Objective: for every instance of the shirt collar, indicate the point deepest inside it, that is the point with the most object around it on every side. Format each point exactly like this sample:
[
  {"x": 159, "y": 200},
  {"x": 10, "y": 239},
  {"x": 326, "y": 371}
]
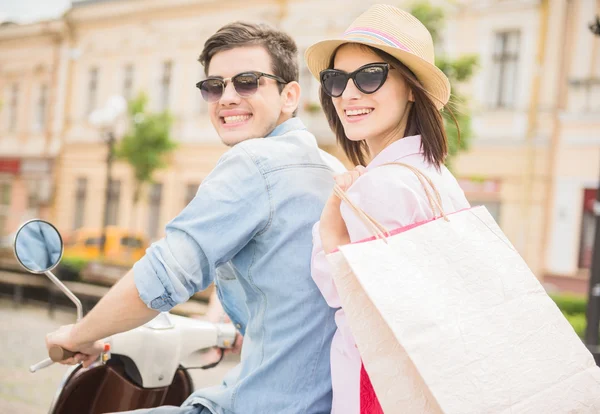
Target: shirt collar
[
  {"x": 291, "y": 124},
  {"x": 397, "y": 150}
]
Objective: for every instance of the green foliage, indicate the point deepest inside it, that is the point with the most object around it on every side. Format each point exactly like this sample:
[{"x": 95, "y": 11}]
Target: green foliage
[
  {"x": 454, "y": 114},
  {"x": 147, "y": 142},
  {"x": 433, "y": 17},
  {"x": 70, "y": 268},
  {"x": 578, "y": 322},
  {"x": 458, "y": 70},
  {"x": 574, "y": 310},
  {"x": 570, "y": 304}
]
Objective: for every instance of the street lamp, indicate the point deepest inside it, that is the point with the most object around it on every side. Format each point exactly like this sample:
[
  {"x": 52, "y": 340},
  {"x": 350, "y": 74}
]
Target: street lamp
[
  {"x": 595, "y": 26},
  {"x": 593, "y": 307},
  {"x": 106, "y": 120}
]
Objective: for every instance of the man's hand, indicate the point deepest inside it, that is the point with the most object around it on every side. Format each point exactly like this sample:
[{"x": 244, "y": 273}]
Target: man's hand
[
  {"x": 64, "y": 337},
  {"x": 120, "y": 310},
  {"x": 237, "y": 345},
  {"x": 332, "y": 228}
]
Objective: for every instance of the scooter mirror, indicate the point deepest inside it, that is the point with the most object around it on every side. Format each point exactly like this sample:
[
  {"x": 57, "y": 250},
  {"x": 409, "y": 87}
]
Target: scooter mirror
[{"x": 38, "y": 246}]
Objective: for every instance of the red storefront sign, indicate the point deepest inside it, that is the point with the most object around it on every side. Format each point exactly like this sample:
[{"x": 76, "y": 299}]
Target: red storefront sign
[
  {"x": 10, "y": 165},
  {"x": 589, "y": 198},
  {"x": 588, "y": 229}
]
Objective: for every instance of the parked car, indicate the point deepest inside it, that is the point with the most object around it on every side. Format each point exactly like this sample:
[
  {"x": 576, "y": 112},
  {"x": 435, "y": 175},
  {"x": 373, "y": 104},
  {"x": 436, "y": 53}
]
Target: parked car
[{"x": 123, "y": 246}]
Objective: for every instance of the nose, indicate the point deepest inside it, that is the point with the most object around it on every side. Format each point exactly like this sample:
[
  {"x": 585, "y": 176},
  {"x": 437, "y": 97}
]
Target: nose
[
  {"x": 230, "y": 96},
  {"x": 351, "y": 91}
]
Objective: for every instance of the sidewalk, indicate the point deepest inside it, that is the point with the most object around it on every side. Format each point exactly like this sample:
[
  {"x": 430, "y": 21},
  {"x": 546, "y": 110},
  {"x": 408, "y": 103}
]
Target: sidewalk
[{"x": 22, "y": 333}]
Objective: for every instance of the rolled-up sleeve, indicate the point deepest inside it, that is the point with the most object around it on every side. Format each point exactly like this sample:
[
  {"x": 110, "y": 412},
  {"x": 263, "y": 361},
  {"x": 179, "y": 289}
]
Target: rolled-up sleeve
[{"x": 230, "y": 208}]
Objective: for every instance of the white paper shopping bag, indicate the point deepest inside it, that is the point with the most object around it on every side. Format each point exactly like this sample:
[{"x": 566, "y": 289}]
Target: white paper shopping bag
[{"x": 448, "y": 318}]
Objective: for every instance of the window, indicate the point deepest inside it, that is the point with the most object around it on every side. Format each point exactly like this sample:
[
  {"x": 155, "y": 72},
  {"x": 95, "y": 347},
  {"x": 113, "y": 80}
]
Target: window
[
  {"x": 13, "y": 107},
  {"x": 93, "y": 241},
  {"x": 92, "y": 89},
  {"x": 165, "y": 85},
  {"x": 131, "y": 242},
  {"x": 33, "y": 193},
  {"x": 41, "y": 107},
  {"x": 504, "y": 69},
  {"x": 3, "y": 221},
  {"x": 113, "y": 202},
  {"x": 5, "y": 192},
  {"x": 588, "y": 229},
  {"x": 80, "y": 196},
  {"x": 190, "y": 193},
  {"x": 154, "y": 211},
  {"x": 484, "y": 192},
  {"x": 128, "y": 82}
]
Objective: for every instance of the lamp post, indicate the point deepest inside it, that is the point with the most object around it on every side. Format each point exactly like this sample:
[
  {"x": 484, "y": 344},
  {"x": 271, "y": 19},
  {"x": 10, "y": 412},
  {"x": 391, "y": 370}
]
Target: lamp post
[
  {"x": 593, "y": 306},
  {"x": 106, "y": 119}
]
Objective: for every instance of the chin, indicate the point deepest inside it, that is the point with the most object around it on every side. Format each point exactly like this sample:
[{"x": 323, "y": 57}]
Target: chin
[
  {"x": 357, "y": 135},
  {"x": 230, "y": 139}
]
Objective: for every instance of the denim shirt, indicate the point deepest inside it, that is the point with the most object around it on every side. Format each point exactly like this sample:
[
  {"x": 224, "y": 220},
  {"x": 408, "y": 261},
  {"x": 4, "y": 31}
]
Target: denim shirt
[{"x": 249, "y": 230}]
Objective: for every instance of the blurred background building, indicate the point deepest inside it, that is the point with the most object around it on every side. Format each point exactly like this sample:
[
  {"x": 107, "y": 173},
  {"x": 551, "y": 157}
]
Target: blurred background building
[{"x": 534, "y": 159}]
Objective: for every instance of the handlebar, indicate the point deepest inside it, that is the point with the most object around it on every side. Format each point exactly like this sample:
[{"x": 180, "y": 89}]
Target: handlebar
[{"x": 58, "y": 353}]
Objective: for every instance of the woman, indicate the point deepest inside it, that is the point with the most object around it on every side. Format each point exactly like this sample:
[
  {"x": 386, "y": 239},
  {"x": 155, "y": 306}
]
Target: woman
[{"x": 382, "y": 95}]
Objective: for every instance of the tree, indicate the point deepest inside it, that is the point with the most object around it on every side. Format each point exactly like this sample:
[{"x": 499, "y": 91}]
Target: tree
[
  {"x": 146, "y": 144},
  {"x": 458, "y": 70}
]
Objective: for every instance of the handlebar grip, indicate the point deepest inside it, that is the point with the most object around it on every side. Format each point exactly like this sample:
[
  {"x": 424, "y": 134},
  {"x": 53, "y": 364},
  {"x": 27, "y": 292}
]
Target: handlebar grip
[{"x": 57, "y": 353}]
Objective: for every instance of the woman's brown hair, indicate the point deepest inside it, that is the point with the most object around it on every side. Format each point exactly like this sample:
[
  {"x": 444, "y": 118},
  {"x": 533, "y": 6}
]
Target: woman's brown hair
[{"x": 423, "y": 119}]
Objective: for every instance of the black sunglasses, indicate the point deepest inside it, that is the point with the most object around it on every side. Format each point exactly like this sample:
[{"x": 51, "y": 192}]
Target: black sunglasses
[
  {"x": 245, "y": 85},
  {"x": 368, "y": 79}
]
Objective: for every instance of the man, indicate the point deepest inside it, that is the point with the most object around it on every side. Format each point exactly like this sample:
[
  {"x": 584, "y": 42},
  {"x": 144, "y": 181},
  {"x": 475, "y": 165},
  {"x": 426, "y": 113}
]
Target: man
[{"x": 249, "y": 229}]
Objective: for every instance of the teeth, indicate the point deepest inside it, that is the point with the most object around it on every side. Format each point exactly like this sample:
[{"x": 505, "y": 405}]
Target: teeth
[
  {"x": 236, "y": 118},
  {"x": 358, "y": 111}
]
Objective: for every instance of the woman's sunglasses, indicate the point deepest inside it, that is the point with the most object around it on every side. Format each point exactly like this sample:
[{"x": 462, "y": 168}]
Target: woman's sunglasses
[
  {"x": 245, "y": 85},
  {"x": 368, "y": 79}
]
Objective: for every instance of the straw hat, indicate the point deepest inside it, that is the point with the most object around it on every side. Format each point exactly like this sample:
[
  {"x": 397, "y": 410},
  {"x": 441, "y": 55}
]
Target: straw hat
[{"x": 395, "y": 32}]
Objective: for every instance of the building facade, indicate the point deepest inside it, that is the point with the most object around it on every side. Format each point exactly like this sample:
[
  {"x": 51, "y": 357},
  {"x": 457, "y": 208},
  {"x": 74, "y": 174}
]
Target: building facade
[
  {"x": 535, "y": 102},
  {"x": 30, "y": 119},
  {"x": 537, "y": 126}
]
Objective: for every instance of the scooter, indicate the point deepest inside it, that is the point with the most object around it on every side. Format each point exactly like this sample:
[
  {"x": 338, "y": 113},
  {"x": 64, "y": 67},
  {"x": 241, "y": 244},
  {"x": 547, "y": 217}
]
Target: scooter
[{"x": 140, "y": 368}]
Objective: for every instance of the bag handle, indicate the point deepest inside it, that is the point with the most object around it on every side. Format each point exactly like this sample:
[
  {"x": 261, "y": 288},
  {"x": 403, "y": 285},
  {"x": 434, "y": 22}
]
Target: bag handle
[
  {"x": 433, "y": 202},
  {"x": 373, "y": 225},
  {"x": 376, "y": 228}
]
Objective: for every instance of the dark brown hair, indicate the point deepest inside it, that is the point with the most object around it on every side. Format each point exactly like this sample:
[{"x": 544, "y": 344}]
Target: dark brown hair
[
  {"x": 423, "y": 119},
  {"x": 279, "y": 45}
]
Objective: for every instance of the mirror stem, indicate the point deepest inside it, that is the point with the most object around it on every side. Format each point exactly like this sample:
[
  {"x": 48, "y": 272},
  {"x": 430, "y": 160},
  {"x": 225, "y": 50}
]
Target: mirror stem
[{"x": 67, "y": 292}]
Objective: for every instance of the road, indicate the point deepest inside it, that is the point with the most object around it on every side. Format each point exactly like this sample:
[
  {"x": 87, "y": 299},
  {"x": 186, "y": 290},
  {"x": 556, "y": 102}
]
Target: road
[{"x": 22, "y": 332}]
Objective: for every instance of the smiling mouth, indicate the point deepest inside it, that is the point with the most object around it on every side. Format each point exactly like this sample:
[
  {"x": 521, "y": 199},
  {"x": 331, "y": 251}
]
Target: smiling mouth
[
  {"x": 236, "y": 119},
  {"x": 357, "y": 114}
]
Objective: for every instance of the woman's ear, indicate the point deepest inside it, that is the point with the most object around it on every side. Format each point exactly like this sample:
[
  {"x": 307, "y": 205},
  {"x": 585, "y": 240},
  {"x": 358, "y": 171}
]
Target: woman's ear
[
  {"x": 291, "y": 97},
  {"x": 411, "y": 96}
]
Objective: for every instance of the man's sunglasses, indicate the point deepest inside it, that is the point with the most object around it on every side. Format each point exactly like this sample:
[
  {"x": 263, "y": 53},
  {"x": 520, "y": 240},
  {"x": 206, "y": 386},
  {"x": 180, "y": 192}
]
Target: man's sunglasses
[
  {"x": 368, "y": 79},
  {"x": 245, "y": 85}
]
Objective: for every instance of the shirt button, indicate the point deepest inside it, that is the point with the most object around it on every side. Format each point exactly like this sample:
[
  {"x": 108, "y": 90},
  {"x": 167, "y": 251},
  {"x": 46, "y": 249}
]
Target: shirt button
[{"x": 237, "y": 325}]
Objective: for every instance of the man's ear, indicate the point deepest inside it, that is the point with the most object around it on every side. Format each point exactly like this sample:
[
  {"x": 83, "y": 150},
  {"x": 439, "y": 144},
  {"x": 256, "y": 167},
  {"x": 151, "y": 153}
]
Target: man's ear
[{"x": 291, "y": 97}]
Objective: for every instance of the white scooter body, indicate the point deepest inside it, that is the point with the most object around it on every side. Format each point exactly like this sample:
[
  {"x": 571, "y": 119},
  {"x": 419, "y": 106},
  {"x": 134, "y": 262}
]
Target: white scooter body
[
  {"x": 158, "y": 348},
  {"x": 140, "y": 368}
]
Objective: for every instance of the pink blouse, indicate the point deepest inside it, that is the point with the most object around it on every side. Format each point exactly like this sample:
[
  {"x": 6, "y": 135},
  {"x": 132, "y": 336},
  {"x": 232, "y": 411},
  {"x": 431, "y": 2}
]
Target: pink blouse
[{"x": 394, "y": 196}]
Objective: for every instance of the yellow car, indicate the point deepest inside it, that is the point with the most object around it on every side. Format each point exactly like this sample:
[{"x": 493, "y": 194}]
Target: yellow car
[{"x": 123, "y": 246}]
